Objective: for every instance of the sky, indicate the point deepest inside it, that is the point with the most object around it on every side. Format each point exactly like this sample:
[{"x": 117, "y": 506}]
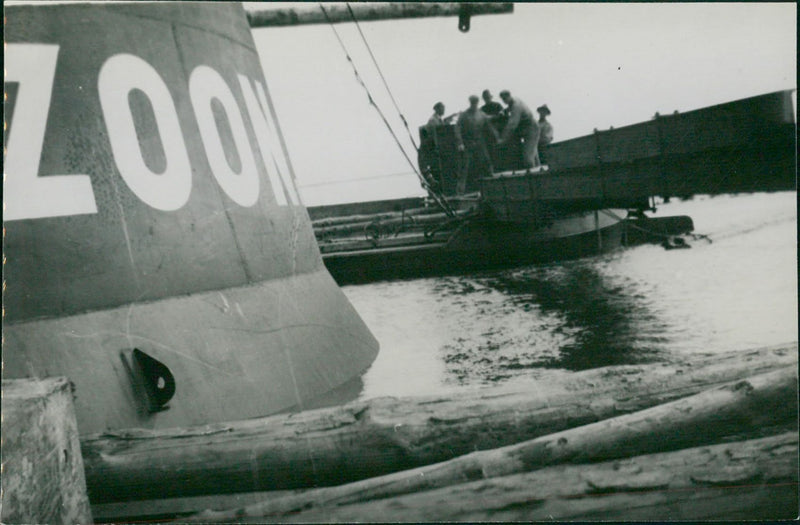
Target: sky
[{"x": 594, "y": 65}]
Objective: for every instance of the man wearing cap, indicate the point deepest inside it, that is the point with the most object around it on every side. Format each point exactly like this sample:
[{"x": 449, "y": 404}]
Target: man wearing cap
[
  {"x": 521, "y": 127},
  {"x": 436, "y": 119},
  {"x": 472, "y": 131},
  {"x": 545, "y": 132}
]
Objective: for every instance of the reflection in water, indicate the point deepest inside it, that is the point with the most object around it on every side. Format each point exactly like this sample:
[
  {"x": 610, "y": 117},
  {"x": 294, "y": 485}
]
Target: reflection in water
[
  {"x": 637, "y": 305},
  {"x": 605, "y": 322}
]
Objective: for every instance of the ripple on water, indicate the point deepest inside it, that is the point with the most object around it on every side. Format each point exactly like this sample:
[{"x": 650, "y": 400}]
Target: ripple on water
[{"x": 638, "y": 305}]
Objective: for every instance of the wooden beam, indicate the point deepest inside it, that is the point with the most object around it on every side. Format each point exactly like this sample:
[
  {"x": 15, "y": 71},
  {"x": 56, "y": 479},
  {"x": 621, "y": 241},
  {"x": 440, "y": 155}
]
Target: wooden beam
[
  {"x": 369, "y": 11},
  {"x": 42, "y": 468},
  {"x": 370, "y": 438}
]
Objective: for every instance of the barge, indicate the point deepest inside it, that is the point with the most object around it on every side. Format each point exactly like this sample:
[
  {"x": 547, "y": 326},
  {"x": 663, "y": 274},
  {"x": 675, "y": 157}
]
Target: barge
[{"x": 589, "y": 199}]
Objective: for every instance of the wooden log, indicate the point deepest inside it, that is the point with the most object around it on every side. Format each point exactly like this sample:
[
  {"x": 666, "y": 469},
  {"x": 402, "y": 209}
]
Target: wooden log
[
  {"x": 42, "y": 469},
  {"x": 703, "y": 419},
  {"x": 166, "y": 509},
  {"x": 364, "y": 217},
  {"x": 331, "y": 211},
  {"x": 368, "y": 12},
  {"x": 364, "y": 439},
  {"x": 387, "y": 226},
  {"x": 407, "y": 239},
  {"x": 754, "y": 479}
]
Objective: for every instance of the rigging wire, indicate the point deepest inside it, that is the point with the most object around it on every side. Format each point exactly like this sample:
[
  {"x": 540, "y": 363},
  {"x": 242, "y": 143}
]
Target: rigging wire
[
  {"x": 440, "y": 200},
  {"x": 383, "y": 79}
]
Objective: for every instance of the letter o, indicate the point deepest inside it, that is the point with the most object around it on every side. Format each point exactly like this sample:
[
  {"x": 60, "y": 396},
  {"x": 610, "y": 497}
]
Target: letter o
[
  {"x": 206, "y": 84},
  {"x": 120, "y": 74}
]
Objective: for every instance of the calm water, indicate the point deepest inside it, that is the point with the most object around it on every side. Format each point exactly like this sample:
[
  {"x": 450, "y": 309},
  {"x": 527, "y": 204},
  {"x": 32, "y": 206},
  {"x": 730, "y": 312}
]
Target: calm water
[{"x": 643, "y": 304}]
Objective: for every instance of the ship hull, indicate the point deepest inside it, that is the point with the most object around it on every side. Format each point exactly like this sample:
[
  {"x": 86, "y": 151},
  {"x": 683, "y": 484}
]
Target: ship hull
[
  {"x": 158, "y": 255},
  {"x": 480, "y": 244}
]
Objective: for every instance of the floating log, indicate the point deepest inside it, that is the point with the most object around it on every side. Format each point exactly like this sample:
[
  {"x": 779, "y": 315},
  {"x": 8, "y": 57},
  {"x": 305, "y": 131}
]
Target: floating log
[
  {"x": 364, "y": 439},
  {"x": 703, "y": 419},
  {"x": 754, "y": 479}
]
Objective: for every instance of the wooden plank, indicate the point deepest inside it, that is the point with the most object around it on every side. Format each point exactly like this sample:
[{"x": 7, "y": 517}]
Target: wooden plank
[
  {"x": 43, "y": 480},
  {"x": 753, "y": 479},
  {"x": 703, "y": 419},
  {"x": 370, "y": 438}
]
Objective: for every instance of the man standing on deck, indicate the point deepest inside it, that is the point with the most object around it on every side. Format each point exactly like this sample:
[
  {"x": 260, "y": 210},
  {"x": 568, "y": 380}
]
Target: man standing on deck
[
  {"x": 545, "y": 132},
  {"x": 490, "y": 108},
  {"x": 522, "y": 127},
  {"x": 472, "y": 130},
  {"x": 428, "y": 155},
  {"x": 437, "y": 119}
]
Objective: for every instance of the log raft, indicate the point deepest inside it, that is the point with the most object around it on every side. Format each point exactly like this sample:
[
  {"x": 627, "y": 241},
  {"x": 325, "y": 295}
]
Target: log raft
[
  {"x": 752, "y": 479},
  {"x": 731, "y": 411},
  {"x": 371, "y": 438}
]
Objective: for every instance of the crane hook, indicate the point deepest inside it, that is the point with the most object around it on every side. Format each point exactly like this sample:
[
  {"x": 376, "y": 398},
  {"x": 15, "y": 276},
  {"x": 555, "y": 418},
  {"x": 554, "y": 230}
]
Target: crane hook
[{"x": 464, "y": 13}]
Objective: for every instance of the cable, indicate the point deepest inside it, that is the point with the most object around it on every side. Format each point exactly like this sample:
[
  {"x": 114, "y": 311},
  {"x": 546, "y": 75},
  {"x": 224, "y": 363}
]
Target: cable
[
  {"x": 385, "y": 84},
  {"x": 440, "y": 200}
]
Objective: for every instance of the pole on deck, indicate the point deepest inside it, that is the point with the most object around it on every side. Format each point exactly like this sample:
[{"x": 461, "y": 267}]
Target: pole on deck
[{"x": 371, "y": 11}]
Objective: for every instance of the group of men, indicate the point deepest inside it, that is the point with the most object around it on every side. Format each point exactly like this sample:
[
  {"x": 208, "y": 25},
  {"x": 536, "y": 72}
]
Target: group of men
[{"x": 478, "y": 131}]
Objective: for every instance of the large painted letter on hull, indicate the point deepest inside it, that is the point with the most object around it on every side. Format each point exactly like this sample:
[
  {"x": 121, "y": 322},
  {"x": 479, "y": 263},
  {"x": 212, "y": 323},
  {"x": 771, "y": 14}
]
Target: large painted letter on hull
[
  {"x": 157, "y": 253},
  {"x": 32, "y": 67},
  {"x": 166, "y": 190}
]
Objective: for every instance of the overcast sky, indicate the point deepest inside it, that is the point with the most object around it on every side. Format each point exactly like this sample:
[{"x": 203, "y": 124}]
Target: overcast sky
[{"x": 594, "y": 65}]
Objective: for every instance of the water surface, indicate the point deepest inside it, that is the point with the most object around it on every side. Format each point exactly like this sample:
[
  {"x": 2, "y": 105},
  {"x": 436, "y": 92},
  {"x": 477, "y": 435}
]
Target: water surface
[{"x": 736, "y": 290}]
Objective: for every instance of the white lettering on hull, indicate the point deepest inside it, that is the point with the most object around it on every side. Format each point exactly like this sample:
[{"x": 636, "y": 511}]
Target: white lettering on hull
[
  {"x": 29, "y": 196},
  {"x": 119, "y": 75},
  {"x": 206, "y": 84},
  {"x": 266, "y": 135},
  {"x": 26, "y": 195}
]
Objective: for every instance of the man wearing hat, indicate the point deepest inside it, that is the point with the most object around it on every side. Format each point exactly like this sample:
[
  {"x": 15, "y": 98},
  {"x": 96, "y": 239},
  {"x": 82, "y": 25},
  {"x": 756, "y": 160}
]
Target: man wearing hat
[
  {"x": 545, "y": 132},
  {"x": 437, "y": 119}
]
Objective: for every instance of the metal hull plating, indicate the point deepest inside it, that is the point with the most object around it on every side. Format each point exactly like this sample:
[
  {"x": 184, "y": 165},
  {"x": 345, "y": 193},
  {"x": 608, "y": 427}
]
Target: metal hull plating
[
  {"x": 481, "y": 244},
  {"x": 150, "y": 205}
]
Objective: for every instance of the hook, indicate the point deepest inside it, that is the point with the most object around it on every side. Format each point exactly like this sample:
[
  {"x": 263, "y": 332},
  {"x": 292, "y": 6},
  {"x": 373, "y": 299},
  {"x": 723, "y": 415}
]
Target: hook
[{"x": 464, "y": 13}]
